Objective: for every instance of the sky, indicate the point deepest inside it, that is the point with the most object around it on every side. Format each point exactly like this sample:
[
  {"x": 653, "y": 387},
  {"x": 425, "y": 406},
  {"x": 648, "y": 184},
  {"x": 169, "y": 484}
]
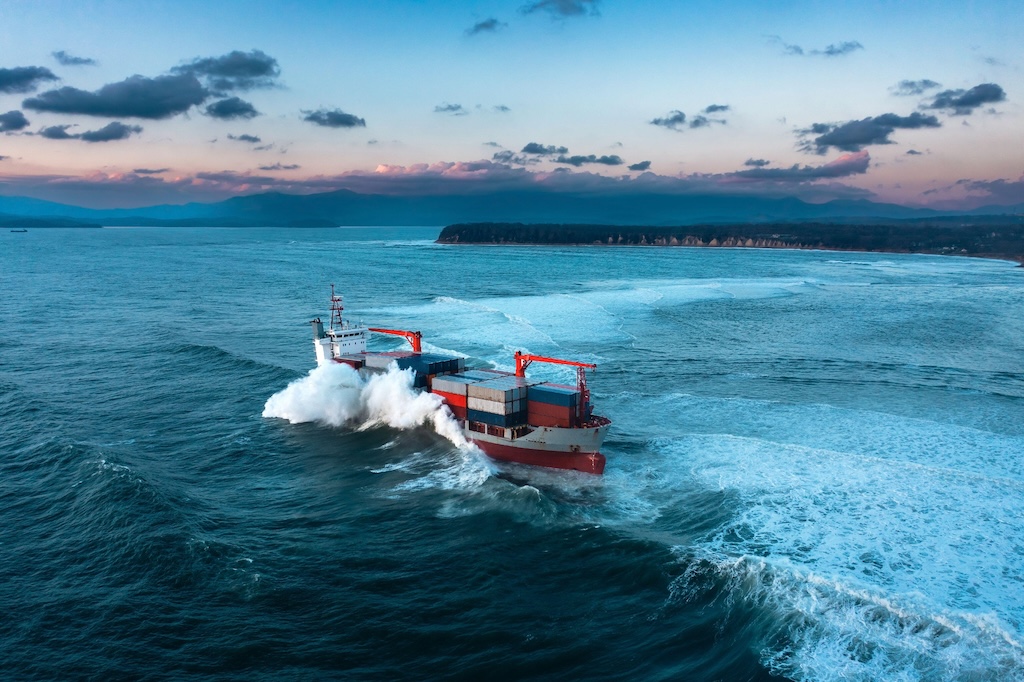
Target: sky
[{"x": 128, "y": 104}]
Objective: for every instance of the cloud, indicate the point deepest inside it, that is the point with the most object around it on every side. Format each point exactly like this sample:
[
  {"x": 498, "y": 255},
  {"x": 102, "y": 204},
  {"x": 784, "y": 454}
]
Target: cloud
[
  {"x": 964, "y": 102},
  {"x": 838, "y": 50},
  {"x": 491, "y": 144},
  {"x": 235, "y": 70},
  {"x": 853, "y": 136},
  {"x": 4, "y": 158},
  {"x": 908, "y": 88},
  {"x": 510, "y": 157},
  {"x": 453, "y": 109},
  {"x": 110, "y": 132},
  {"x": 561, "y": 9},
  {"x": 642, "y": 166},
  {"x": 501, "y": 108},
  {"x": 58, "y": 132},
  {"x": 846, "y": 165},
  {"x": 65, "y": 59},
  {"x": 676, "y": 120},
  {"x": 612, "y": 160},
  {"x": 673, "y": 120},
  {"x": 24, "y": 78},
  {"x": 280, "y": 167},
  {"x": 245, "y": 138},
  {"x": 231, "y": 109},
  {"x": 756, "y": 163},
  {"x": 135, "y": 97},
  {"x": 12, "y": 120},
  {"x": 833, "y": 50},
  {"x": 913, "y": 152},
  {"x": 486, "y": 26},
  {"x": 543, "y": 150},
  {"x": 150, "y": 171},
  {"x": 999, "y": 191},
  {"x": 333, "y": 118}
]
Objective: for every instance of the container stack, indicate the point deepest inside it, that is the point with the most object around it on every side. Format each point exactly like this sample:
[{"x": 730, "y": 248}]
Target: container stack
[
  {"x": 553, "y": 405},
  {"x": 453, "y": 390},
  {"x": 425, "y": 365},
  {"x": 500, "y": 401}
]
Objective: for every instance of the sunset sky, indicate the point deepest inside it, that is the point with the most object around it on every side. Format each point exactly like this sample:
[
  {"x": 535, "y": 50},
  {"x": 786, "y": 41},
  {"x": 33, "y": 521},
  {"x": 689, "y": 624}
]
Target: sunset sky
[{"x": 125, "y": 104}]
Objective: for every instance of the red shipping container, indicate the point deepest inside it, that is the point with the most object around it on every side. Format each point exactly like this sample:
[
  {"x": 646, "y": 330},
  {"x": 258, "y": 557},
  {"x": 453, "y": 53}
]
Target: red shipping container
[
  {"x": 543, "y": 420},
  {"x": 458, "y": 412},
  {"x": 453, "y": 399},
  {"x": 546, "y": 410}
]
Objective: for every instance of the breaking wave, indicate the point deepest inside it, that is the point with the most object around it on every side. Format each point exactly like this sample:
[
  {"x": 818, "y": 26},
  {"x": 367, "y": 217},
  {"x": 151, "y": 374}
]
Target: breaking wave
[{"x": 336, "y": 395}]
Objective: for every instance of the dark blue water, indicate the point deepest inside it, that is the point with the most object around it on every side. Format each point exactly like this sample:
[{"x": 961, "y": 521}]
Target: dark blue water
[{"x": 815, "y": 470}]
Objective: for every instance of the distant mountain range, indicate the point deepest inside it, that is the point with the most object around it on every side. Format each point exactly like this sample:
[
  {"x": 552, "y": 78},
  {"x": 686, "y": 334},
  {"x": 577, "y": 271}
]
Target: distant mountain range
[{"x": 344, "y": 207}]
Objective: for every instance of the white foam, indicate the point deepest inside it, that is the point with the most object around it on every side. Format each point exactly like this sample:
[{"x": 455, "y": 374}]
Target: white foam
[{"x": 336, "y": 395}]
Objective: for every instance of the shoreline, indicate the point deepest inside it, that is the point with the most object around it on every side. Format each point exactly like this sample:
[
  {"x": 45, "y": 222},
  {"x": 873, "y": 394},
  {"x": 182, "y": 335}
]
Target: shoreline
[{"x": 993, "y": 242}]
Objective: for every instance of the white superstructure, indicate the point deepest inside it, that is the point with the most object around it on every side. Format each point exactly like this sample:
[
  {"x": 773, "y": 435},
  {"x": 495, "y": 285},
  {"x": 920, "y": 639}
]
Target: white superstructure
[{"x": 341, "y": 337}]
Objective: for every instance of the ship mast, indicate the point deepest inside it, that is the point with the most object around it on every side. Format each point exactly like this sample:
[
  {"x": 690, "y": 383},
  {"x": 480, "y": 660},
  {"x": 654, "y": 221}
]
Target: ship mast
[{"x": 336, "y": 309}]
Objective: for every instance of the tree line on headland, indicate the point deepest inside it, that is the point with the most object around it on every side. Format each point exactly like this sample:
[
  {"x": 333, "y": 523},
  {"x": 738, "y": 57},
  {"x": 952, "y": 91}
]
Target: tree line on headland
[{"x": 992, "y": 237}]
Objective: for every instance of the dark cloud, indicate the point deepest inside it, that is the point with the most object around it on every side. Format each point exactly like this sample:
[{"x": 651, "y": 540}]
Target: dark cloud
[
  {"x": 501, "y": 108},
  {"x": 149, "y": 171},
  {"x": 676, "y": 120},
  {"x": 846, "y": 165},
  {"x": 58, "y": 132},
  {"x": 833, "y": 50},
  {"x": 756, "y": 163},
  {"x": 486, "y": 26},
  {"x": 280, "y": 167},
  {"x": 507, "y": 156},
  {"x": 853, "y": 136},
  {"x": 642, "y": 166},
  {"x": 110, "y": 132},
  {"x": 837, "y": 50},
  {"x": 612, "y": 160},
  {"x": 913, "y": 152},
  {"x": 563, "y": 8},
  {"x": 234, "y": 71},
  {"x": 24, "y": 78},
  {"x": 245, "y": 138},
  {"x": 65, "y": 59},
  {"x": 964, "y": 102},
  {"x": 543, "y": 150},
  {"x": 909, "y": 88},
  {"x": 4, "y": 158},
  {"x": 333, "y": 118},
  {"x": 453, "y": 109},
  {"x": 12, "y": 120},
  {"x": 716, "y": 108},
  {"x": 231, "y": 109},
  {"x": 673, "y": 120},
  {"x": 1000, "y": 191},
  {"x": 491, "y": 144},
  {"x": 135, "y": 97}
]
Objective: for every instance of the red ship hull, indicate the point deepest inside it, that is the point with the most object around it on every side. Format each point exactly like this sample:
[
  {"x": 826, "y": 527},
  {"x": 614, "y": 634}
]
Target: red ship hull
[{"x": 591, "y": 463}]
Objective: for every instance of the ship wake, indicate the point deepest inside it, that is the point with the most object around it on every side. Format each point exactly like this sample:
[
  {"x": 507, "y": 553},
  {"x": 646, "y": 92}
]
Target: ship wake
[{"x": 336, "y": 395}]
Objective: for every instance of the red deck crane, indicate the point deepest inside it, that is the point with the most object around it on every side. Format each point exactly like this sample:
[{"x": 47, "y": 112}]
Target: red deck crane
[
  {"x": 414, "y": 338},
  {"x": 523, "y": 361}
]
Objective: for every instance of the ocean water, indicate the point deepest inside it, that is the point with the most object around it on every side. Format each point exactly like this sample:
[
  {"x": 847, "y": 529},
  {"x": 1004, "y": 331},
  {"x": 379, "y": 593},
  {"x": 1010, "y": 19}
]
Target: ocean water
[{"x": 815, "y": 472}]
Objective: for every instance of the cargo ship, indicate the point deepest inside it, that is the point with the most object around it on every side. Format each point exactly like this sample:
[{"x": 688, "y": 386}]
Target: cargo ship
[{"x": 509, "y": 416}]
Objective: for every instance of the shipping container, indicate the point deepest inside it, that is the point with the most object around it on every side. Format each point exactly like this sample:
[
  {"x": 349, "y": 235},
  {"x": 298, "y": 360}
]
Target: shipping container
[
  {"x": 554, "y": 394},
  {"x": 533, "y": 407},
  {"x": 457, "y": 411},
  {"x": 504, "y": 420},
  {"x": 453, "y": 383},
  {"x": 452, "y": 399},
  {"x": 543, "y": 420}
]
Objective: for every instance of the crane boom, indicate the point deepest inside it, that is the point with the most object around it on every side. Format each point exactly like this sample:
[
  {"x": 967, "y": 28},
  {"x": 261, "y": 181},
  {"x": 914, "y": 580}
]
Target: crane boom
[
  {"x": 523, "y": 361},
  {"x": 414, "y": 338}
]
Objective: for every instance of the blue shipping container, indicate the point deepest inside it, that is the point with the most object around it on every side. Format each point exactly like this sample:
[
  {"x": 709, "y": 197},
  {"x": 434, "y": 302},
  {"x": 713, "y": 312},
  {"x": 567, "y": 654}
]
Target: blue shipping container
[{"x": 553, "y": 395}]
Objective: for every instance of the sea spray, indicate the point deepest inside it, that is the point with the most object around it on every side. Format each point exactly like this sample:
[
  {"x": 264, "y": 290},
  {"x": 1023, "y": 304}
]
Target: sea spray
[{"x": 336, "y": 395}]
